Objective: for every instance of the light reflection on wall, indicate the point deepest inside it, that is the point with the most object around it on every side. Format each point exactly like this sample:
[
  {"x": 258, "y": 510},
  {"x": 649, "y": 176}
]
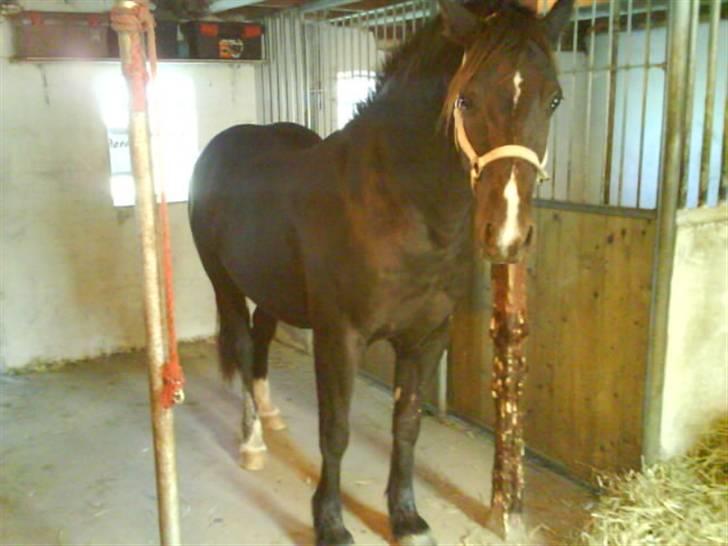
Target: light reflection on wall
[{"x": 173, "y": 119}]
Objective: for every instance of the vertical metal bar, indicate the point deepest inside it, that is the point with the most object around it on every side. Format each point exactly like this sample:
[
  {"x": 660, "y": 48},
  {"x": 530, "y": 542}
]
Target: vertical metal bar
[
  {"x": 613, "y": 62},
  {"x": 645, "y": 89},
  {"x": 341, "y": 42},
  {"x": 351, "y": 58},
  {"x": 298, "y": 88},
  {"x": 589, "y": 91},
  {"x": 283, "y": 61},
  {"x": 572, "y": 102},
  {"x": 723, "y": 186},
  {"x": 710, "y": 86},
  {"x": 678, "y": 35},
  {"x": 625, "y": 104},
  {"x": 300, "y": 44},
  {"x": 334, "y": 68},
  {"x": 279, "y": 79},
  {"x": 689, "y": 98},
  {"x": 359, "y": 49},
  {"x": 554, "y": 135},
  {"x": 368, "y": 38},
  {"x": 305, "y": 76},
  {"x": 269, "y": 71},
  {"x": 403, "y": 22},
  {"x": 130, "y": 47}
]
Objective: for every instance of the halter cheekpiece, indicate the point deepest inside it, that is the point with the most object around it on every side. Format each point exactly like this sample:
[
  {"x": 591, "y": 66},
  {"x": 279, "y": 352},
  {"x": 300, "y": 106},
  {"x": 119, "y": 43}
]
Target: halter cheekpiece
[{"x": 479, "y": 162}]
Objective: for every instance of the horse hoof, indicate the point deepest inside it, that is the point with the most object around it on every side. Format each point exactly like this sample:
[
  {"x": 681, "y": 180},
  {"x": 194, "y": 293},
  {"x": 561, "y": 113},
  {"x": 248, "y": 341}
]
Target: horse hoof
[
  {"x": 252, "y": 460},
  {"x": 274, "y": 422},
  {"x": 423, "y": 539},
  {"x": 335, "y": 537}
]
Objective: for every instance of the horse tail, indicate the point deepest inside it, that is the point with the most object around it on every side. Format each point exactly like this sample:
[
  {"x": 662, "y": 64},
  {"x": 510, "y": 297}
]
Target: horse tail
[{"x": 234, "y": 339}]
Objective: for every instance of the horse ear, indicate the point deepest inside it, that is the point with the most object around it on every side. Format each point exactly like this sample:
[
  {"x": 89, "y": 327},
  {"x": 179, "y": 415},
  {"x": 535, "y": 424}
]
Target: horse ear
[
  {"x": 557, "y": 18},
  {"x": 460, "y": 25}
]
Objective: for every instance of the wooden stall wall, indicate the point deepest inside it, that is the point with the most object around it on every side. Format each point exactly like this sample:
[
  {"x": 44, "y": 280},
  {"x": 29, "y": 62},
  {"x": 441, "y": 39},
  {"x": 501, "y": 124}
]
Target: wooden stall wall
[{"x": 589, "y": 299}]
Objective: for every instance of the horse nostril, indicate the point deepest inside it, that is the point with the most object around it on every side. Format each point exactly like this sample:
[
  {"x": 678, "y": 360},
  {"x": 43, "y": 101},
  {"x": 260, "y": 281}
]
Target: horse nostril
[{"x": 529, "y": 236}]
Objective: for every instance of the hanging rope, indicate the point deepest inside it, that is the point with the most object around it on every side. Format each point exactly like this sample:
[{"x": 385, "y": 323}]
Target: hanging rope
[{"x": 137, "y": 20}]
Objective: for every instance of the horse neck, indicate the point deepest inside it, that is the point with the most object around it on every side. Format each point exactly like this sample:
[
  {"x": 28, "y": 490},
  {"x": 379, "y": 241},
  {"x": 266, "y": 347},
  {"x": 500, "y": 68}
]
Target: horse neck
[{"x": 423, "y": 168}]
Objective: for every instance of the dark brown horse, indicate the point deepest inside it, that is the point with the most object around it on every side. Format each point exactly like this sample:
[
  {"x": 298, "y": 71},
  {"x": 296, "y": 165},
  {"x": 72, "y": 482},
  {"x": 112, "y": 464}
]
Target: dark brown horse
[{"x": 369, "y": 233}]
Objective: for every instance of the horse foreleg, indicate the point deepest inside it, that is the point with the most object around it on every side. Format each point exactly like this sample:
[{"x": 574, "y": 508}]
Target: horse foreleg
[
  {"x": 337, "y": 355},
  {"x": 414, "y": 368}
]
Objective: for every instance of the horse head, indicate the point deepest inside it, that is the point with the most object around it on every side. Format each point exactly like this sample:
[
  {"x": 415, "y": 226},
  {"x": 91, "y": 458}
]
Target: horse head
[{"x": 499, "y": 104}]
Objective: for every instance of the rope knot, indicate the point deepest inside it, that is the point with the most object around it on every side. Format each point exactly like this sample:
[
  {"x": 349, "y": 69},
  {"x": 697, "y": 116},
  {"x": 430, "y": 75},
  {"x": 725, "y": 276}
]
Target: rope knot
[{"x": 135, "y": 18}]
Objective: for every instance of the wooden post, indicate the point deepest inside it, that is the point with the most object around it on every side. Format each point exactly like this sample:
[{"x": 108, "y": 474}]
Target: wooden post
[
  {"x": 508, "y": 330},
  {"x": 133, "y": 60}
]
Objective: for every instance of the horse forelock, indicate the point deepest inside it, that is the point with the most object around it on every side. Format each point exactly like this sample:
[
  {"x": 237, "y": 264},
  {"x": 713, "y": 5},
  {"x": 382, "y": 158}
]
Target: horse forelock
[{"x": 506, "y": 33}]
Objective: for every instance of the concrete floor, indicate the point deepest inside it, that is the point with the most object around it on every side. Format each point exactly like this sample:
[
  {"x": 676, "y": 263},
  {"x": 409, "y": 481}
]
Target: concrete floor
[{"x": 77, "y": 468}]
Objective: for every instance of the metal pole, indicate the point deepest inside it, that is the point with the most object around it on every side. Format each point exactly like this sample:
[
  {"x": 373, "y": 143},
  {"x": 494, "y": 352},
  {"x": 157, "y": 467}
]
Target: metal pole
[
  {"x": 679, "y": 34},
  {"x": 132, "y": 59},
  {"x": 688, "y": 98},
  {"x": 508, "y": 330},
  {"x": 709, "y": 102}
]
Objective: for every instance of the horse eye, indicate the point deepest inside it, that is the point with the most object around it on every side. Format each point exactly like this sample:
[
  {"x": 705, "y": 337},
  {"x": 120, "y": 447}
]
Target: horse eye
[
  {"x": 462, "y": 103},
  {"x": 555, "y": 102}
]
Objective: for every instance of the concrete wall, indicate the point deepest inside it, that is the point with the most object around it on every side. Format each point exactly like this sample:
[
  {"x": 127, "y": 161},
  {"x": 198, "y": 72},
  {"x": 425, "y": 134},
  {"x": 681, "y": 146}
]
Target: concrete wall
[
  {"x": 70, "y": 277},
  {"x": 696, "y": 374}
]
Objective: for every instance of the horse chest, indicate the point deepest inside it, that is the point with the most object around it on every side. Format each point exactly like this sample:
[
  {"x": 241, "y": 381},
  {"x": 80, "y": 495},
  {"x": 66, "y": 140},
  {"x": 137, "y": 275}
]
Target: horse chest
[{"x": 418, "y": 290}]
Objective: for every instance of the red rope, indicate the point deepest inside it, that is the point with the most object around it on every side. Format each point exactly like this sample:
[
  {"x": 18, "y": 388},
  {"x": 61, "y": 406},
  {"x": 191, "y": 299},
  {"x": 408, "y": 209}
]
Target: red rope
[
  {"x": 137, "y": 20},
  {"x": 172, "y": 373}
]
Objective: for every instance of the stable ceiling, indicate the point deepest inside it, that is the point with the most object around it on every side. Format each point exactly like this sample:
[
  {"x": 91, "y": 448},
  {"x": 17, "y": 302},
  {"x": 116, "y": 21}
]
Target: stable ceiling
[{"x": 253, "y": 9}]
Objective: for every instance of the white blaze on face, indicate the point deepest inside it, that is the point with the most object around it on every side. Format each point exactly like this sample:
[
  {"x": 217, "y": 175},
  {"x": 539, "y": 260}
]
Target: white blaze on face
[
  {"x": 517, "y": 81},
  {"x": 509, "y": 233}
]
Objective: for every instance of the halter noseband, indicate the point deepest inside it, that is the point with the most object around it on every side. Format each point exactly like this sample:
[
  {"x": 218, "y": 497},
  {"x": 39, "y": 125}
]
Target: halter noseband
[{"x": 478, "y": 162}]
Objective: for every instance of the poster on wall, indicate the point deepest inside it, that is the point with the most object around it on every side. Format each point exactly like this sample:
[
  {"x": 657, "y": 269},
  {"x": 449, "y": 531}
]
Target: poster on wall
[{"x": 122, "y": 181}]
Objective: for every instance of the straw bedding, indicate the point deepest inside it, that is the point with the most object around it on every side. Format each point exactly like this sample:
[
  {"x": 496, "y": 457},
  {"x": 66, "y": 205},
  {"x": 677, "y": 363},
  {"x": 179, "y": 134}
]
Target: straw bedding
[{"x": 680, "y": 502}]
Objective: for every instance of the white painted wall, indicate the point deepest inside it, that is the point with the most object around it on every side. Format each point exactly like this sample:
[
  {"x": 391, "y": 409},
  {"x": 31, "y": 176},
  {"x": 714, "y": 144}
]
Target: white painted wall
[
  {"x": 696, "y": 372},
  {"x": 70, "y": 277}
]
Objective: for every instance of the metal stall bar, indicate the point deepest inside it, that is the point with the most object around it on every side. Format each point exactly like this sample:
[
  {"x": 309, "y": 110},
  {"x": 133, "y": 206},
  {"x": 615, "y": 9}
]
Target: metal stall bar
[
  {"x": 625, "y": 106},
  {"x": 710, "y": 88},
  {"x": 590, "y": 86},
  {"x": 130, "y": 18},
  {"x": 572, "y": 107},
  {"x": 689, "y": 99},
  {"x": 723, "y": 189},
  {"x": 276, "y": 66},
  {"x": 612, "y": 62},
  {"x": 645, "y": 89},
  {"x": 677, "y": 66},
  {"x": 268, "y": 97}
]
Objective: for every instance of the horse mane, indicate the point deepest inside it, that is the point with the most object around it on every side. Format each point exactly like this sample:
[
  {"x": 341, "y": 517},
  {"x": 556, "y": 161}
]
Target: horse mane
[{"x": 509, "y": 28}]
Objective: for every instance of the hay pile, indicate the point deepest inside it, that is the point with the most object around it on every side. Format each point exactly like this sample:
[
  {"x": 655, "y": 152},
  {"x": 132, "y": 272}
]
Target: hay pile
[{"x": 681, "y": 502}]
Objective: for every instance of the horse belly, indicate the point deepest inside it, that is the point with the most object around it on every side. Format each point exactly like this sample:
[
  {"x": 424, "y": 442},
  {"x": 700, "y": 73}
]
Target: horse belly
[{"x": 264, "y": 264}]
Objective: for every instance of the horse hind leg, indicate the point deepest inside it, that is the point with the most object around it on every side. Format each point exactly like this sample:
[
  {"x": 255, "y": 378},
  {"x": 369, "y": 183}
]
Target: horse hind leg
[
  {"x": 235, "y": 346},
  {"x": 264, "y": 327}
]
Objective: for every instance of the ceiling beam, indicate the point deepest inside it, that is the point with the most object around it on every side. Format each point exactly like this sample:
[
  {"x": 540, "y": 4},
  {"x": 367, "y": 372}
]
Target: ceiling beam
[{"x": 218, "y": 6}]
